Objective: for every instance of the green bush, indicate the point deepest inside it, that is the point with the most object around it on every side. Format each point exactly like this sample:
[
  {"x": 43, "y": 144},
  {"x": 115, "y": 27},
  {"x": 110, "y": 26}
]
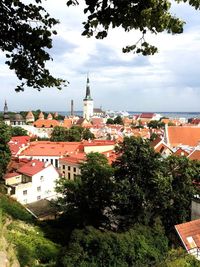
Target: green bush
[
  {"x": 140, "y": 246},
  {"x": 14, "y": 209}
]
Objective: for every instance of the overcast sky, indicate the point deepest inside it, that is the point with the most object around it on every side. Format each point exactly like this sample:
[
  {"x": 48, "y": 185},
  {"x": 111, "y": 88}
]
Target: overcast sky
[{"x": 167, "y": 81}]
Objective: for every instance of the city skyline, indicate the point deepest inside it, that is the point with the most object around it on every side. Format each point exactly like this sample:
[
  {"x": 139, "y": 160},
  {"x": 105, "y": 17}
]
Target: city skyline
[{"x": 167, "y": 81}]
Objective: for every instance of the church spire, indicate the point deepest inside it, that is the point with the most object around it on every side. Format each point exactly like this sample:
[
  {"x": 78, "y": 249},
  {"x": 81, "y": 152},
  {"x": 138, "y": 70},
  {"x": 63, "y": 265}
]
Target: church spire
[
  {"x": 5, "y": 107},
  {"x": 88, "y": 95}
]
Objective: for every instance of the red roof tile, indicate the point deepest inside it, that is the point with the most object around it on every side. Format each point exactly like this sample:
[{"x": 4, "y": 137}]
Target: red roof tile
[
  {"x": 195, "y": 155},
  {"x": 185, "y": 135},
  {"x": 189, "y": 231},
  {"x": 32, "y": 167}
]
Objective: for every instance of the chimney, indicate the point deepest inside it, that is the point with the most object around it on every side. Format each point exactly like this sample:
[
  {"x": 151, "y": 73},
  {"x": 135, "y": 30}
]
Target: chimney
[
  {"x": 33, "y": 164},
  {"x": 72, "y": 107}
]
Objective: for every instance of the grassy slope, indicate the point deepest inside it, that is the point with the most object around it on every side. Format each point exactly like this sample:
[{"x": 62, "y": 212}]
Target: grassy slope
[{"x": 21, "y": 238}]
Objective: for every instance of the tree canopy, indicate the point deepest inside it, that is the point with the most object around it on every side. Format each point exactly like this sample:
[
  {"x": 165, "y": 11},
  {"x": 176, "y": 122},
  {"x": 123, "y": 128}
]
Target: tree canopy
[
  {"x": 74, "y": 134},
  {"x": 26, "y": 36},
  {"x": 152, "y": 16},
  {"x": 27, "y": 30},
  {"x": 5, "y": 136}
]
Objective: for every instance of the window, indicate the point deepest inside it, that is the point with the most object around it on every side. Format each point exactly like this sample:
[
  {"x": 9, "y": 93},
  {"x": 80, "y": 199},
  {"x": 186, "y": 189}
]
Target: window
[
  {"x": 74, "y": 169},
  {"x": 69, "y": 176},
  {"x": 63, "y": 167},
  {"x": 56, "y": 163},
  {"x": 63, "y": 172},
  {"x": 38, "y": 197},
  {"x": 69, "y": 168},
  {"x": 39, "y": 188},
  {"x": 41, "y": 178},
  {"x": 52, "y": 161},
  {"x": 25, "y": 192}
]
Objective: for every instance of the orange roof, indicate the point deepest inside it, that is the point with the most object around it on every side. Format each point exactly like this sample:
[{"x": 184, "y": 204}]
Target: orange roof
[
  {"x": 47, "y": 148},
  {"x": 189, "y": 233},
  {"x": 98, "y": 142},
  {"x": 67, "y": 123},
  {"x": 195, "y": 155},
  {"x": 186, "y": 135},
  {"x": 75, "y": 158},
  {"x": 41, "y": 123}
]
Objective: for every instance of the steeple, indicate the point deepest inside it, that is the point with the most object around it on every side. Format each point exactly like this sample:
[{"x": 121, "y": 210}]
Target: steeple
[
  {"x": 5, "y": 107},
  {"x": 88, "y": 95}
]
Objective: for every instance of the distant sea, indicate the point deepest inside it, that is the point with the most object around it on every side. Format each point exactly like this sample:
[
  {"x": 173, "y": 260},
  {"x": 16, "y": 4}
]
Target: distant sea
[{"x": 186, "y": 115}]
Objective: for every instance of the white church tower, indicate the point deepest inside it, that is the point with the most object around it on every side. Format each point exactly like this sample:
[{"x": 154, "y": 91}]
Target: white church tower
[{"x": 88, "y": 104}]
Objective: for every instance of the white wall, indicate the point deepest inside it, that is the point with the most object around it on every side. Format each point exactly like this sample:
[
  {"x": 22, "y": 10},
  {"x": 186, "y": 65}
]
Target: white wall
[{"x": 42, "y": 187}]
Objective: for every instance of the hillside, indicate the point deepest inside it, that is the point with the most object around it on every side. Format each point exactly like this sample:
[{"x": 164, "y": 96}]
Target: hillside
[{"x": 22, "y": 242}]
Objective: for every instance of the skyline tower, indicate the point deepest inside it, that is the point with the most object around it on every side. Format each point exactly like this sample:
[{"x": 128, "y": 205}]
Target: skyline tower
[{"x": 88, "y": 104}]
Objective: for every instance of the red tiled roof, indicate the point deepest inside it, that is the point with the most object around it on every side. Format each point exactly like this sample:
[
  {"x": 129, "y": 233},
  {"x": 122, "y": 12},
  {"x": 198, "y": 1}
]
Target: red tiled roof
[
  {"x": 147, "y": 115},
  {"x": 47, "y": 148},
  {"x": 75, "y": 158},
  {"x": 32, "y": 167},
  {"x": 195, "y": 155},
  {"x": 42, "y": 123},
  {"x": 16, "y": 143},
  {"x": 189, "y": 229},
  {"x": 181, "y": 152},
  {"x": 10, "y": 175},
  {"x": 155, "y": 142},
  {"x": 185, "y": 135}
]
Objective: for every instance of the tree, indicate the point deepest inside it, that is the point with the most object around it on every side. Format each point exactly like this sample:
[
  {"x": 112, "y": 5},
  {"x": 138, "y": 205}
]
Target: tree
[
  {"x": 109, "y": 121},
  {"x": 5, "y": 154},
  {"x": 58, "y": 134},
  {"x": 140, "y": 246},
  {"x": 118, "y": 120},
  {"x": 18, "y": 131},
  {"x": 142, "y": 189},
  {"x": 74, "y": 134},
  {"x": 89, "y": 196},
  {"x": 26, "y": 31},
  {"x": 87, "y": 135},
  {"x": 145, "y": 16},
  {"x": 156, "y": 124},
  {"x": 182, "y": 173}
]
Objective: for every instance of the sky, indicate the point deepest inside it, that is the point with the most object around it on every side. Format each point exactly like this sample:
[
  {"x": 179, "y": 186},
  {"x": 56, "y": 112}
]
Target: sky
[{"x": 168, "y": 81}]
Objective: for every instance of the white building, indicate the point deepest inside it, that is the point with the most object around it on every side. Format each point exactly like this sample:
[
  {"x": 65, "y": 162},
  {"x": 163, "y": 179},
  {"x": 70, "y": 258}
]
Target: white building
[
  {"x": 88, "y": 105},
  {"x": 31, "y": 181}
]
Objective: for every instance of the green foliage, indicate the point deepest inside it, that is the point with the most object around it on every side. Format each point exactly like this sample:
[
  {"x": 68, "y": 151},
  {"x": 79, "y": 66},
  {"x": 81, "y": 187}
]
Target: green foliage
[
  {"x": 156, "y": 124},
  {"x": 118, "y": 120},
  {"x": 74, "y": 134},
  {"x": 90, "y": 196},
  {"x": 145, "y": 16},
  {"x": 31, "y": 246},
  {"x": 26, "y": 31},
  {"x": 18, "y": 131},
  {"x": 182, "y": 173},
  {"x": 14, "y": 209},
  {"x": 140, "y": 246},
  {"x": 179, "y": 258},
  {"x": 109, "y": 121},
  {"x": 5, "y": 136}
]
